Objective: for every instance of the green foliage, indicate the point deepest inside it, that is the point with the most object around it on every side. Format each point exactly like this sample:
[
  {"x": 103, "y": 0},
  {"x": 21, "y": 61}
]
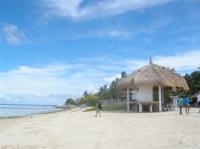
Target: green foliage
[
  {"x": 108, "y": 93},
  {"x": 89, "y": 100},
  {"x": 105, "y": 92},
  {"x": 113, "y": 89},
  {"x": 193, "y": 81},
  {"x": 70, "y": 101},
  {"x": 123, "y": 74},
  {"x": 85, "y": 94}
]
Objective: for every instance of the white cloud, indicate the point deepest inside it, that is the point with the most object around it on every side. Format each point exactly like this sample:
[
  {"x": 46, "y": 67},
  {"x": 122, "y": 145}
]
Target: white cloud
[
  {"x": 52, "y": 79},
  {"x": 113, "y": 33},
  {"x": 77, "y": 9},
  {"x": 108, "y": 80},
  {"x": 105, "y": 33},
  {"x": 13, "y": 35},
  {"x": 50, "y": 70},
  {"x": 87, "y": 74},
  {"x": 181, "y": 62}
]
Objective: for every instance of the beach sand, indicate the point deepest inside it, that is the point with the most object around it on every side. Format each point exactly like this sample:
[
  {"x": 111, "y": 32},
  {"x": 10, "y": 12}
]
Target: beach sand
[{"x": 114, "y": 130}]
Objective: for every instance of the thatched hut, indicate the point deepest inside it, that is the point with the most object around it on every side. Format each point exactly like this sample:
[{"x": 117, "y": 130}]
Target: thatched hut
[{"x": 146, "y": 88}]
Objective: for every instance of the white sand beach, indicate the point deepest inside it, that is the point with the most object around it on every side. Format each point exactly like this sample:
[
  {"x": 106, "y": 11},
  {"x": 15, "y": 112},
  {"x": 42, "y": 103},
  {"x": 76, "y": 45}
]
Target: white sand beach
[{"x": 114, "y": 130}]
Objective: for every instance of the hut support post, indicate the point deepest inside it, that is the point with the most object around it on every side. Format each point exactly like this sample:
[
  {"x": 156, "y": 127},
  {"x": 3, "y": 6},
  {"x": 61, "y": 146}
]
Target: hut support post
[
  {"x": 163, "y": 92},
  {"x": 128, "y": 100},
  {"x": 151, "y": 108},
  {"x": 174, "y": 98},
  {"x": 140, "y": 107},
  {"x": 160, "y": 97}
]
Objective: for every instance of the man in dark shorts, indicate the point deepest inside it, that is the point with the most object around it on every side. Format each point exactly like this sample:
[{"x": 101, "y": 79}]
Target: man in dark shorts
[{"x": 98, "y": 108}]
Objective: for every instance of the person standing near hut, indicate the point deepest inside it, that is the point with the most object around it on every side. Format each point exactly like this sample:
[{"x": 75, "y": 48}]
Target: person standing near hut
[
  {"x": 98, "y": 108},
  {"x": 187, "y": 104},
  {"x": 180, "y": 104}
]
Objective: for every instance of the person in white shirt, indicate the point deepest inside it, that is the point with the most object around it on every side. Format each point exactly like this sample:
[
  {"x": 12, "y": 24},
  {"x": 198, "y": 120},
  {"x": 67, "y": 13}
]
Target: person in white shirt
[{"x": 198, "y": 102}]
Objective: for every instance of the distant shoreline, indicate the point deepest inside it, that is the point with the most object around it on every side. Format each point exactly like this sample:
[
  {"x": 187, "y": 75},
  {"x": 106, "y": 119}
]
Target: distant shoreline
[{"x": 35, "y": 114}]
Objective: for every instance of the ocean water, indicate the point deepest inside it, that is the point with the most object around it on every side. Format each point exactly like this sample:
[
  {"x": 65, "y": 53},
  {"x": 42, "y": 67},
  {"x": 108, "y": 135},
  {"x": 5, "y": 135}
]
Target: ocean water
[
  {"x": 10, "y": 110},
  {"x": 20, "y": 104}
]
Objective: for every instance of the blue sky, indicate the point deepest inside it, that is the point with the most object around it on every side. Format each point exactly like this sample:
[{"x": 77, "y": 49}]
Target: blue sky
[{"x": 68, "y": 46}]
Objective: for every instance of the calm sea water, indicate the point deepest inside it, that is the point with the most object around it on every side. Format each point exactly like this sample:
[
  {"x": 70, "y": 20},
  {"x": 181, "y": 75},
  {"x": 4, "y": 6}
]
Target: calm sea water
[{"x": 8, "y": 110}]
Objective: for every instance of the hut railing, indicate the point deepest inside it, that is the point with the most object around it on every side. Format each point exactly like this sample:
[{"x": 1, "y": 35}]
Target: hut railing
[
  {"x": 168, "y": 107},
  {"x": 113, "y": 101}
]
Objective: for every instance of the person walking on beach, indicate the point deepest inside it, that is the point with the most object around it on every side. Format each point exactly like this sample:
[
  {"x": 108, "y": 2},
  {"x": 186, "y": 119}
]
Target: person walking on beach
[
  {"x": 98, "y": 108},
  {"x": 180, "y": 104},
  {"x": 198, "y": 102},
  {"x": 187, "y": 104}
]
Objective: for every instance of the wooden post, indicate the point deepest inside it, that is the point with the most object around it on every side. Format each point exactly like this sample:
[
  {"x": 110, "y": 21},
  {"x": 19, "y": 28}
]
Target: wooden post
[
  {"x": 160, "y": 98},
  {"x": 140, "y": 107},
  {"x": 151, "y": 108},
  {"x": 163, "y": 93},
  {"x": 175, "y": 98},
  {"x": 128, "y": 100}
]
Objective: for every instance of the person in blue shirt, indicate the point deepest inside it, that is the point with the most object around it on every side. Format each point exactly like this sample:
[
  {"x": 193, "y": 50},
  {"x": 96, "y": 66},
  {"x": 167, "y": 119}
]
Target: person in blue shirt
[
  {"x": 187, "y": 104},
  {"x": 180, "y": 104}
]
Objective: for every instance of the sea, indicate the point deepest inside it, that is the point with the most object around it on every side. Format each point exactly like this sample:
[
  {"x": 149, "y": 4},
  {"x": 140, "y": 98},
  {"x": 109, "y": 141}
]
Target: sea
[
  {"x": 13, "y": 110},
  {"x": 22, "y": 105}
]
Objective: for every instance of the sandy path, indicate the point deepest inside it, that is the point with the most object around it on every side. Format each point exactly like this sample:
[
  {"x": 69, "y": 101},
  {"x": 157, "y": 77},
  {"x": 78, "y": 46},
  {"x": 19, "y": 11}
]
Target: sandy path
[{"x": 66, "y": 130}]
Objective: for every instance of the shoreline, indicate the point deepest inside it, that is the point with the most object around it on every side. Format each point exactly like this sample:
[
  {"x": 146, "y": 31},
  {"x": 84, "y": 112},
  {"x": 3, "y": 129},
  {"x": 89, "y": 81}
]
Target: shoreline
[
  {"x": 35, "y": 114},
  {"x": 72, "y": 109}
]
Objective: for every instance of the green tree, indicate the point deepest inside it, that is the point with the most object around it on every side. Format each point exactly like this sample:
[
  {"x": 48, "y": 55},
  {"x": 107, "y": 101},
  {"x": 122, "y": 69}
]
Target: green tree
[
  {"x": 193, "y": 81},
  {"x": 90, "y": 100},
  {"x": 113, "y": 89},
  {"x": 85, "y": 94},
  {"x": 103, "y": 92},
  {"x": 69, "y": 101},
  {"x": 123, "y": 74}
]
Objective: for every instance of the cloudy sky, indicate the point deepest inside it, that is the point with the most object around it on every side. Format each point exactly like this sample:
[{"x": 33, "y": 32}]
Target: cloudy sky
[{"x": 68, "y": 46}]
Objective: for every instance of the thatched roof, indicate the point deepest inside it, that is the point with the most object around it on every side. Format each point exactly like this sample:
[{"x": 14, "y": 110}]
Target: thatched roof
[{"x": 154, "y": 75}]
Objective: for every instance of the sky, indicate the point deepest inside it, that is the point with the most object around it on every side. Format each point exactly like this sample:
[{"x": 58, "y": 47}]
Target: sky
[{"x": 64, "y": 47}]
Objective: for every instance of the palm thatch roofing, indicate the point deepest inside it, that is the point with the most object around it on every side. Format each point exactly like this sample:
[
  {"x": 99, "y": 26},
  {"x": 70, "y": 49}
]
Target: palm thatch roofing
[{"x": 154, "y": 75}]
